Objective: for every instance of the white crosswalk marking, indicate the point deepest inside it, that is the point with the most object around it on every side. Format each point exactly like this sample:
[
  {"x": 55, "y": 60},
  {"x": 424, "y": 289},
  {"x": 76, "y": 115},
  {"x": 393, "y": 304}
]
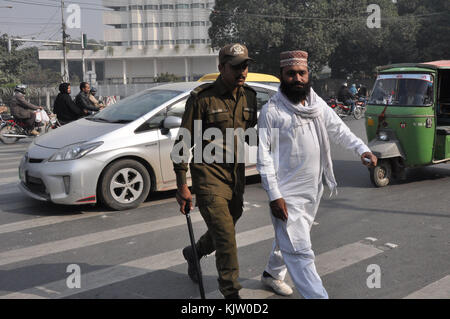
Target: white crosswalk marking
[
  {"x": 135, "y": 268},
  {"x": 36, "y": 251},
  {"x": 437, "y": 290},
  {"x": 8, "y": 180},
  {"x": 52, "y": 220},
  {"x": 326, "y": 263}
]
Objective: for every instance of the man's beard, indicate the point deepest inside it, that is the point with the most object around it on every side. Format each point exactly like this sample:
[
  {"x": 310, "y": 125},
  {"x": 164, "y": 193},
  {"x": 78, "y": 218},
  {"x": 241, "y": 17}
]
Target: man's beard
[{"x": 293, "y": 93}]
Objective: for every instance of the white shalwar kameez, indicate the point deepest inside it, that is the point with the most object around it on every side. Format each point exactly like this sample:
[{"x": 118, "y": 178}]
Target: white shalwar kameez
[{"x": 291, "y": 168}]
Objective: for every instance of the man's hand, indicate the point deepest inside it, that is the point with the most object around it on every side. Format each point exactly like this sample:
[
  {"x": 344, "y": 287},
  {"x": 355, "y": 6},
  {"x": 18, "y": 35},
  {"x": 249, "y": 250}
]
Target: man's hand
[
  {"x": 279, "y": 209},
  {"x": 184, "y": 197},
  {"x": 368, "y": 159}
]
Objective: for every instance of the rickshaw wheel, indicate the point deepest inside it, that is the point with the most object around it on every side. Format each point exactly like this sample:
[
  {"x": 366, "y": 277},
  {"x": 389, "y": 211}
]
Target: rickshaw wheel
[{"x": 381, "y": 175}]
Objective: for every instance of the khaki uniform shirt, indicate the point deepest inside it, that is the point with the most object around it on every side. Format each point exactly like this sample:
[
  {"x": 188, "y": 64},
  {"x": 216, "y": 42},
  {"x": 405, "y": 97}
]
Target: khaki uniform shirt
[{"x": 216, "y": 107}]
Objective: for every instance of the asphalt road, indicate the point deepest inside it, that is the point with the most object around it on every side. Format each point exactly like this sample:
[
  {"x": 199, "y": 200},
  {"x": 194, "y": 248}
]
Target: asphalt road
[{"x": 403, "y": 230}]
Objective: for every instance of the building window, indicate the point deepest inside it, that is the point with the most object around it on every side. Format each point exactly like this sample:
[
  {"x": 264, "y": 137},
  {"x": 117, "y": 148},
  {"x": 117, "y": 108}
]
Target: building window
[
  {"x": 118, "y": 8},
  {"x": 135, "y": 7},
  {"x": 152, "y": 42},
  {"x": 151, "y": 7},
  {"x": 198, "y": 23},
  {"x": 117, "y": 44},
  {"x": 120, "y": 26},
  {"x": 136, "y": 25},
  {"x": 183, "y": 24},
  {"x": 197, "y": 5},
  {"x": 183, "y": 41},
  {"x": 137, "y": 43},
  {"x": 151, "y": 24},
  {"x": 167, "y": 42},
  {"x": 182, "y": 6},
  {"x": 198, "y": 41},
  {"x": 167, "y": 24},
  {"x": 165, "y": 6}
]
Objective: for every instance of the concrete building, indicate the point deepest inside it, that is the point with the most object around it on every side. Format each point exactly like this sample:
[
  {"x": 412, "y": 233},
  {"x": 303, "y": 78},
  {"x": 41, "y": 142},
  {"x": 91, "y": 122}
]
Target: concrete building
[{"x": 147, "y": 38}]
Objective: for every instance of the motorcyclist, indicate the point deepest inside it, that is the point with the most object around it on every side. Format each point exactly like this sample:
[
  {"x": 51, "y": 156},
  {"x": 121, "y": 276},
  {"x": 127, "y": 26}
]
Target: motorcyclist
[
  {"x": 82, "y": 99},
  {"x": 64, "y": 107},
  {"x": 94, "y": 100},
  {"x": 362, "y": 91},
  {"x": 345, "y": 96},
  {"x": 353, "y": 89},
  {"x": 24, "y": 111}
]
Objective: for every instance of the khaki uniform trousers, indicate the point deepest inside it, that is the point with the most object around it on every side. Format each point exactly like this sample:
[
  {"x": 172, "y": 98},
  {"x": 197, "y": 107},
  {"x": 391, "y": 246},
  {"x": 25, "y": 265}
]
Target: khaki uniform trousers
[{"x": 220, "y": 216}]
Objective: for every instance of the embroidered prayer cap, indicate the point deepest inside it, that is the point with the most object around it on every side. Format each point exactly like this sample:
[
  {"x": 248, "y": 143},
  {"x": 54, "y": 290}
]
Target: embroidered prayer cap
[
  {"x": 289, "y": 58},
  {"x": 234, "y": 54}
]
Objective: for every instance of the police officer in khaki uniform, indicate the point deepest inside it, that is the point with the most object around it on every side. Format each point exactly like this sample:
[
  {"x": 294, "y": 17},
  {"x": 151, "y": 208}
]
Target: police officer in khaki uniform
[{"x": 219, "y": 186}]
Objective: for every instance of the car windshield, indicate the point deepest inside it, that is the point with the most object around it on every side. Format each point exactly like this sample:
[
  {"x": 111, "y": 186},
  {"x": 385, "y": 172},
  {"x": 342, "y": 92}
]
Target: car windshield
[
  {"x": 135, "y": 106},
  {"x": 403, "y": 90}
]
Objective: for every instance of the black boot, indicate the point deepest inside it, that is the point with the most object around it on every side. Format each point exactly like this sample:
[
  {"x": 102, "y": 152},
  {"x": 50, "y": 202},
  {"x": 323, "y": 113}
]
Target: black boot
[{"x": 189, "y": 256}]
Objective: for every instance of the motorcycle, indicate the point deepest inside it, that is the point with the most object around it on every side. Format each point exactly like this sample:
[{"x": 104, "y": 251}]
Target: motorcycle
[
  {"x": 12, "y": 130},
  {"x": 343, "y": 110}
]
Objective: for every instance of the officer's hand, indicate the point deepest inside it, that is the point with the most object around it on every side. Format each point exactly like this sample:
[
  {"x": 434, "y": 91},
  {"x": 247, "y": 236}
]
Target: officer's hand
[
  {"x": 279, "y": 209},
  {"x": 371, "y": 159},
  {"x": 184, "y": 197}
]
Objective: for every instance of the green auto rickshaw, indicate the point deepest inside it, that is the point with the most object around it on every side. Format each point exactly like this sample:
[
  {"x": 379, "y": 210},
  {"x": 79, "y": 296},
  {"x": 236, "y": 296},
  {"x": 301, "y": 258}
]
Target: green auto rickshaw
[{"x": 408, "y": 118}]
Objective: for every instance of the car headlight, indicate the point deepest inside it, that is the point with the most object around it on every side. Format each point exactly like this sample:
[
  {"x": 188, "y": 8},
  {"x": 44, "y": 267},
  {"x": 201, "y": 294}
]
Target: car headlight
[
  {"x": 72, "y": 152},
  {"x": 383, "y": 136}
]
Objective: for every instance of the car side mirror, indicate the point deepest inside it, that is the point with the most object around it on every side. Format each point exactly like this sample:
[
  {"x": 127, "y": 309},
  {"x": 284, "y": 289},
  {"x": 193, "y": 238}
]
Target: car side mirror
[{"x": 169, "y": 123}]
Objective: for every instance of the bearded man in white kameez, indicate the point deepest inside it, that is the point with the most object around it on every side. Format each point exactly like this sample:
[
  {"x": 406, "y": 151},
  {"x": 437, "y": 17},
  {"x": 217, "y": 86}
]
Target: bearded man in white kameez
[{"x": 295, "y": 130}]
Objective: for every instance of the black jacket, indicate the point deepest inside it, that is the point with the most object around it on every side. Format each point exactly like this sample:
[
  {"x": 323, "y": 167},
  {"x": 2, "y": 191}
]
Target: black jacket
[
  {"x": 65, "y": 109},
  {"x": 344, "y": 94},
  {"x": 83, "y": 102}
]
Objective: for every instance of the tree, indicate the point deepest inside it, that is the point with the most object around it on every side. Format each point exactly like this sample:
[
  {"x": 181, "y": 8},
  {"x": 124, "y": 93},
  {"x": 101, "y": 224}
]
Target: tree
[
  {"x": 23, "y": 66},
  {"x": 269, "y": 27}
]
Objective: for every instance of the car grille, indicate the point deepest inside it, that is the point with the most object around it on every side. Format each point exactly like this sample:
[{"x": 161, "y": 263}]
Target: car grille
[
  {"x": 35, "y": 160},
  {"x": 36, "y": 185}
]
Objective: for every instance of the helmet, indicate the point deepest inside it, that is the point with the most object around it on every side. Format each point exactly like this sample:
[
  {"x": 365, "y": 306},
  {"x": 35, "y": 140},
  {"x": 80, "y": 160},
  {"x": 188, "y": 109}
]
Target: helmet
[
  {"x": 20, "y": 88},
  {"x": 344, "y": 84},
  {"x": 354, "y": 85},
  {"x": 93, "y": 90}
]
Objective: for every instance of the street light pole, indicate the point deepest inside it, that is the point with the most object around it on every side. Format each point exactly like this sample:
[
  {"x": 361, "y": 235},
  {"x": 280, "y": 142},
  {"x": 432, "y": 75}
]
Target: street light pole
[{"x": 64, "y": 37}]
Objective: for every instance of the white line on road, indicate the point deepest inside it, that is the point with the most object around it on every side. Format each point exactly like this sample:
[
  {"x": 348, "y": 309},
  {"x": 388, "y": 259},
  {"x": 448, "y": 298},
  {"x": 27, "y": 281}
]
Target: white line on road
[
  {"x": 9, "y": 170},
  {"x": 326, "y": 263},
  {"x": 36, "y": 251},
  {"x": 7, "y": 180},
  {"x": 437, "y": 290},
  {"x": 133, "y": 269},
  {"x": 51, "y": 220}
]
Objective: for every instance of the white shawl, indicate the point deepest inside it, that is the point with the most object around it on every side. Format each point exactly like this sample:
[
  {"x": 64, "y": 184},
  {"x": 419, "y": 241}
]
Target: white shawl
[{"x": 313, "y": 110}]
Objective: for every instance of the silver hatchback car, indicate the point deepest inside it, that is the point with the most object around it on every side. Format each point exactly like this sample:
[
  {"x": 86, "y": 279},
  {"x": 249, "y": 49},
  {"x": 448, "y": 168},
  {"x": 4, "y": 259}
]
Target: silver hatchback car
[{"x": 117, "y": 156}]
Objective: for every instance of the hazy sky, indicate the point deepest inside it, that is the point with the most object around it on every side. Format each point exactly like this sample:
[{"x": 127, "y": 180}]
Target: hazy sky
[{"x": 41, "y": 19}]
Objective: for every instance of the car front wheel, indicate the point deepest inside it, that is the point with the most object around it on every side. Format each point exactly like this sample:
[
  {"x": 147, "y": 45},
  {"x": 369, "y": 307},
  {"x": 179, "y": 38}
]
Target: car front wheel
[{"x": 125, "y": 184}]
